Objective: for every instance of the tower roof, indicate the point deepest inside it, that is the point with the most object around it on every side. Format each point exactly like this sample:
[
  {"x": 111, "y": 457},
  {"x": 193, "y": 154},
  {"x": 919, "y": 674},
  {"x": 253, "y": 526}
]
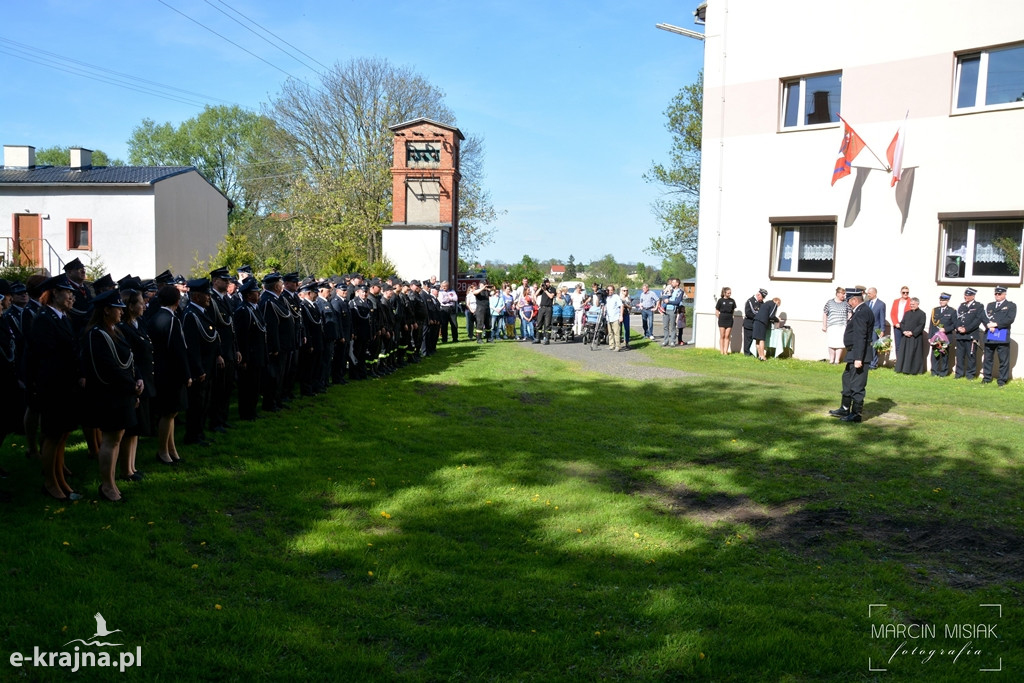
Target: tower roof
[{"x": 422, "y": 120}]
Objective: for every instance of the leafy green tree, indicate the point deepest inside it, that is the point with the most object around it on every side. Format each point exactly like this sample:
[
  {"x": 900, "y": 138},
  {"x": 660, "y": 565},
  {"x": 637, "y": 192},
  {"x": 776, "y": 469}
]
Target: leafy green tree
[
  {"x": 527, "y": 268},
  {"x": 61, "y": 156},
  {"x": 677, "y": 209},
  {"x": 607, "y": 271},
  {"x": 645, "y": 273},
  {"x": 231, "y": 147},
  {"x": 570, "y": 268},
  {"x": 677, "y": 266}
]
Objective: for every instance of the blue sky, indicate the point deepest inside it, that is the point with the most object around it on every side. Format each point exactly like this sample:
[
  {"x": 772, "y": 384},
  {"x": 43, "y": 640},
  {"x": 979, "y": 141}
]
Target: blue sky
[{"x": 568, "y": 96}]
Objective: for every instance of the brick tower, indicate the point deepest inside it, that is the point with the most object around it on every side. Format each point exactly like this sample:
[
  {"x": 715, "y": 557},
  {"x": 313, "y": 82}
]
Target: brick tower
[{"x": 423, "y": 238}]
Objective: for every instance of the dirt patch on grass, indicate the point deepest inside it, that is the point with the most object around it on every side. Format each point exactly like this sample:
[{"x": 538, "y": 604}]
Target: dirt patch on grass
[
  {"x": 433, "y": 389},
  {"x": 951, "y": 552},
  {"x": 533, "y": 399},
  {"x": 247, "y": 517}
]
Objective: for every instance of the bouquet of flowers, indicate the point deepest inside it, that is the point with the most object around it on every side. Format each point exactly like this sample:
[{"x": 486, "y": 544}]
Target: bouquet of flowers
[
  {"x": 884, "y": 344},
  {"x": 939, "y": 343}
]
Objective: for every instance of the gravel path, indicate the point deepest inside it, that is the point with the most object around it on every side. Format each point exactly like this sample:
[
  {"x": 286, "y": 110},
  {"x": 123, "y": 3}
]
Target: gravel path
[{"x": 625, "y": 364}]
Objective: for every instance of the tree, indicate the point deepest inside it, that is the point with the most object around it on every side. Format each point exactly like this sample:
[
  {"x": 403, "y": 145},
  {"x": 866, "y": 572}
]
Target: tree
[
  {"x": 230, "y": 146},
  {"x": 570, "y": 268},
  {"x": 527, "y": 268},
  {"x": 645, "y": 273},
  {"x": 608, "y": 271},
  {"x": 677, "y": 209},
  {"x": 339, "y": 136},
  {"x": 677, "y": 266},
  {"x": 61, "y": 156}
]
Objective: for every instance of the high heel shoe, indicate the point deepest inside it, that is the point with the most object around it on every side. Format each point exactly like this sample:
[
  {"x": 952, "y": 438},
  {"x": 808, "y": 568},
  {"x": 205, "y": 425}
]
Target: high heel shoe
[{"x": 169, "y": 463}]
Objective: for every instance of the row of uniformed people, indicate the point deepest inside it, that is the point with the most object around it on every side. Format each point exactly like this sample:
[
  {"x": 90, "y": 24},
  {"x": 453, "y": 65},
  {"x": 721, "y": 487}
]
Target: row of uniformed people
[{"x": 189, "y": 342}]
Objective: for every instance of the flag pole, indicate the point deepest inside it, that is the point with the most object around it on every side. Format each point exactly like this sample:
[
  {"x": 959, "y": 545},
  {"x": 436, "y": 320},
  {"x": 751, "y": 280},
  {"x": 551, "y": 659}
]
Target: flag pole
[{"x": 885, "y": 167}]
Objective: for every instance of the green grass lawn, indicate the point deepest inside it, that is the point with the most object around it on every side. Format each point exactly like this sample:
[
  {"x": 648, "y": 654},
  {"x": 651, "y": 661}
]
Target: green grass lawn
[{"x": 495, "y": 514}]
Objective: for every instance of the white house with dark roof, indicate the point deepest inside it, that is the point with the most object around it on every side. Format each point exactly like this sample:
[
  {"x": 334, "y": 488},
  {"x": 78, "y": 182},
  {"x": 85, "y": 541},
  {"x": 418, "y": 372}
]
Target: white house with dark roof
[{"x": 132, "y": 219}]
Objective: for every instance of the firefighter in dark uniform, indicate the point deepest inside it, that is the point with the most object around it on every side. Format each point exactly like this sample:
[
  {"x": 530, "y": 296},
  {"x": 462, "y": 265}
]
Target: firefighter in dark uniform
[
  {"x": 291, "y": 373},
  {"x": 343, "y": 348},
  {"x": 408, "y": 325},
  {"x": 857, "y": 339},
  {"x": 362, "y": 330},
  {"x": 280, "y": 323},
  {"x": 943, "y": 318},
  {"x": 227, "y": 363},
  {"x": 1001, "y": 314},
  {"x": 203, "y": 343},
  {"x": 373, "y": 353},
  {"x": 325, "y": 291},
  {"x": 418, "y": 307},
  {"x": 251, "y": 338},
  {"x": 74, "y": 275},
  {"x": 970, "y": 316},
  {"x": 313, "y": 340},
  {"x": 389, "y": 336},
  {"x": 433, "y": 320},
  {"x": 750, "y": 310}
]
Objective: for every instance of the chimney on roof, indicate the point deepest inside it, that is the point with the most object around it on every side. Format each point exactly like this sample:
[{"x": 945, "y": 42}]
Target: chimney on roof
[
  {"x": 19, "y": 156},
  {"x": 81, "y": 159}
]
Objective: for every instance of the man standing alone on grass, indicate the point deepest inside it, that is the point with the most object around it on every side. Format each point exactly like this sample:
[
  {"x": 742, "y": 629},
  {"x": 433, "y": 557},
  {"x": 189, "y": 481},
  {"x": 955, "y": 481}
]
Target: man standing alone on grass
[{"x": 855, "y": 377}]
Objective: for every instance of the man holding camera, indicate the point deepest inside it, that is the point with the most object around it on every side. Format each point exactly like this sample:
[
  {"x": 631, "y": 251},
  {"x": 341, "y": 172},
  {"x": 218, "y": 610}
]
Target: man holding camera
[{"x": 545, "y": 302}]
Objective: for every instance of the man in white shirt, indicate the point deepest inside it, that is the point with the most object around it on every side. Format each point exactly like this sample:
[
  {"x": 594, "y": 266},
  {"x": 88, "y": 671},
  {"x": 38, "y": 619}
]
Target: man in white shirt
[{"x": 613, "y": 312}]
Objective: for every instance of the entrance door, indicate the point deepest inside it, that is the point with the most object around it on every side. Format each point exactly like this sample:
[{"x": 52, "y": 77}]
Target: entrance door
[{"x": 28, "y": 240}]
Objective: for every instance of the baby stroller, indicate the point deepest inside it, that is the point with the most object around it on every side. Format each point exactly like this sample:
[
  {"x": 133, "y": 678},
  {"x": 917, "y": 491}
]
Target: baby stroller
[
  {"x": 565, "y": 323},
  {"x": 595, "y": 330}
]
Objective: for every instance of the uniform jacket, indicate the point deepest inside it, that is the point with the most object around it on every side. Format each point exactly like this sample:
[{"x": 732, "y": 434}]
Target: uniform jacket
[
  {"x": 857, "y": 337},
  {"x": 1003, "y": 316}
]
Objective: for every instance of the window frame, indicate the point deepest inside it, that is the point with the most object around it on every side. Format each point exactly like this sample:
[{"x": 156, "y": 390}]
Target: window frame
[
  {"x": 982, "y": 82},
  {"x": 801, "y": 113},
  {"x": 777, "y": 224},
  {"x": 71, "y": 236},
  {"x": 971, "y": 219}
]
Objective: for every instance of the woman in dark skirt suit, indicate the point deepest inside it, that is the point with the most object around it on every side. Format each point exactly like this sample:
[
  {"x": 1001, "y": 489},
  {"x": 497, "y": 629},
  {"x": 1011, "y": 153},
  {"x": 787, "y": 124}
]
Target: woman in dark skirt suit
[
  {"x": 170, "y": 369},
  {"x": 766, "y": 316},
  {"x": 53, "y": 370},
  {"x": 725, "y": 307},
  {"x": 142, "y": 349},
  {"x": 111, "y": 386}
]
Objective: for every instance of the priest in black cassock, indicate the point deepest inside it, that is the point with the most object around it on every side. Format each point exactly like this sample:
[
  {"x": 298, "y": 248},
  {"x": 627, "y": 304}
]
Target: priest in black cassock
[{"x": 913, "y": 348}]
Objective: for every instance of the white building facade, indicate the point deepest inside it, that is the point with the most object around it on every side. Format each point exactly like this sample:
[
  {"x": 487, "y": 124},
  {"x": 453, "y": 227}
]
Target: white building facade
[
  {"x": 776, "y": 79},
  {"x": 138, "y": 220}
]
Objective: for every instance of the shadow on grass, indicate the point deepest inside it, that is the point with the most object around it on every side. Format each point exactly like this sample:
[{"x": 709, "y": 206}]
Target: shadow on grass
[{"x": 478, "y": 518}]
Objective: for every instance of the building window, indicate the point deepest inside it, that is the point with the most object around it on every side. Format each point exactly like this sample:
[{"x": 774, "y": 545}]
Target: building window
[
  {"x": 79, "y": 233},
  {"x": 422, "y": 154},
  {"x": 990, "y": 79},
  {"x": 803, "y": 250},
  {"x": 811, "y": 100},
  {"x": 987, "y": 251}
]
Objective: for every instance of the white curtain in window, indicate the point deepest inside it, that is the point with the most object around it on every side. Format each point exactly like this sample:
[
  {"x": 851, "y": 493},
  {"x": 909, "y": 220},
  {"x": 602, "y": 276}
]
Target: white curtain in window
[
  {"x": 985, "y": 235},
  {"x": 817, "y": 243}
]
